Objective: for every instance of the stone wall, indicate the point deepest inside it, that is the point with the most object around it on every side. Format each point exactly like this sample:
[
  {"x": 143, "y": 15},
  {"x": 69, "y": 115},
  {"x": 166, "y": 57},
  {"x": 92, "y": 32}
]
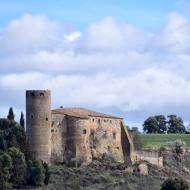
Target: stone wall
[
  {"x": 38, "y": 123},
  {"x": 78, "y": 145},
  {"x": 105, "y": 137},
  {"x": 152, "y": 157},
  {"x": 58, "y": 137}
]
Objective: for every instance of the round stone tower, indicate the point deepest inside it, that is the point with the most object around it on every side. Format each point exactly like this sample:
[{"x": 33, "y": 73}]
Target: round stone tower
[{"x": 38, "y": 123}]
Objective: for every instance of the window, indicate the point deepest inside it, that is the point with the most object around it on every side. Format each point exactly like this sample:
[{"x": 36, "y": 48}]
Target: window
[
  {"x": 99, "y": 121},
  {"x": 110, "y": 121},
  {"x": 32, "y": 94},
  {"x": 92, "y": 120},
  {"x": 114, "y": 135},
  {"x": 41, "y": 94},
  {"x": 104, "y": 121},
  {"x": 84, "y": 131},
  {"x": 46, "y": 119},
  {"x": 31, "y": 116},
  {"x": 52, "y": 130}
]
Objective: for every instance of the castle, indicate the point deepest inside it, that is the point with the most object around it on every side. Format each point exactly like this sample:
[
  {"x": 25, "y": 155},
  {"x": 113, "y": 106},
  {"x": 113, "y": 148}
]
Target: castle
[{"x": 73, "y": 135}]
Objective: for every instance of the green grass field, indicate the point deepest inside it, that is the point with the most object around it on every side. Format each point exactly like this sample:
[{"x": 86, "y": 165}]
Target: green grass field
[{"x": 158, "y": 140}]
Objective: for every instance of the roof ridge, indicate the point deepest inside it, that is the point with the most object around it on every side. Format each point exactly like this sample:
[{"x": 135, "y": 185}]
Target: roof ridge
[{"x": 84, "y": 112}]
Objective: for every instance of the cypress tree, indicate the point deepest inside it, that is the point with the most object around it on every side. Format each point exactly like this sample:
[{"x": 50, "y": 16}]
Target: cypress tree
[
  {"x": 11, "y": 115},
  {"x": 22, "y": 120}
]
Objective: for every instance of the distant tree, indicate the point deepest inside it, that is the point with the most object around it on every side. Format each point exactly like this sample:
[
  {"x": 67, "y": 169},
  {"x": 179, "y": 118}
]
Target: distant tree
[
  {"x": 161, "y": 122},
  {"x": 5, "y": 166},
  {"x": 11, "y": 115},
  {"x": 22, "y": 122},
  {"x": 175, "y": 124},
  {"x": 175, "y": 184},
  {"x": 150, "y": 125},
  {"x": 19, "y": 167},
  {"x": 3, "y": 143},
  {"x": 135, "y": 129}
]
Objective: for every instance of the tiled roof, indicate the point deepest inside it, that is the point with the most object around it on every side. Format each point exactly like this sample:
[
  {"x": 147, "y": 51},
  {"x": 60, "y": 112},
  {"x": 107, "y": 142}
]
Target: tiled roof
[{"x": 82, "y": 113}]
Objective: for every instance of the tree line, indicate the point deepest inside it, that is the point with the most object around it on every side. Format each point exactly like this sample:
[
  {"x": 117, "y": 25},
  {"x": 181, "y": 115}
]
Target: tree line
[
  {"x": 16, "y": 167},
  {"x": 161, "y": 124}
]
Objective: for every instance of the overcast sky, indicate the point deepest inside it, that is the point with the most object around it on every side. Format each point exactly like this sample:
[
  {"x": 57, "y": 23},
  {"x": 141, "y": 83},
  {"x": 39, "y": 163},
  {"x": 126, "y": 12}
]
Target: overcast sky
[{"x": 130, "y": 58}]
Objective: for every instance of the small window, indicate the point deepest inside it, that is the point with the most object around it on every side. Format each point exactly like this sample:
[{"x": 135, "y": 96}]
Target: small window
[
  {"x": 104, "y": 121},
  {"x": 46, "y": 119},
  {"x": 41, "y": 94},
  {"x": 118, "y": 148},
  {"x": 32, "y": 94},
  {"x": 32, "y": 116},
  {"x": 110, "y": 121},
  {"x": 99, "y": 121},
  {"x": 114, "y": 135},
  {"x": 52, "y": 130},
  {"x": 84, "y": 131},
  {"x": 92, "y": 120}
]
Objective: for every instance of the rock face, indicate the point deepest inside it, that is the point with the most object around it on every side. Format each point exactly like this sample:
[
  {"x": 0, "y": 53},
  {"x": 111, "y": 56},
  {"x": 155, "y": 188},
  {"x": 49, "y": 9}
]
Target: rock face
[{"x": 74, "y": 135}]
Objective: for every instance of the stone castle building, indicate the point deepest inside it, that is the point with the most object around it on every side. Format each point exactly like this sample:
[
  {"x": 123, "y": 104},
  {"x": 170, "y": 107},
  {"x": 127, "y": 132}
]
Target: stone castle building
[{"x": 73, "y": 135}]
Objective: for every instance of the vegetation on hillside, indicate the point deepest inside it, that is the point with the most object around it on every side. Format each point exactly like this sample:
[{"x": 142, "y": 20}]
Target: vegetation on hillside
[{"x": 16, "y": 169}]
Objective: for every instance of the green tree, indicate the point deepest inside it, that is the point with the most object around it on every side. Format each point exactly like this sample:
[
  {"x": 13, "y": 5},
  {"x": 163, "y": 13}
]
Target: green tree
[
  {"x": 3, "y": 144},
  {"x": 11, "y": 115},
  {"x": 175, "y": 184},
  {"x": 5, "y": 166},
  {"x": 175, "y": 124},
  {"x": 150, "y": 125},
  {"x": 47, "y": 173},
  {"x": 161, "y": 122},
  {"x": 22, "y": 122},
  {"x": 19, "y": 167},
  {"x": 35, "y": 173}
]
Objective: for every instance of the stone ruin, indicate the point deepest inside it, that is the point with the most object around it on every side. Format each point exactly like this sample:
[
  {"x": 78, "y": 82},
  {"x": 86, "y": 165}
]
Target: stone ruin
[{"x": 73, "y": 135}]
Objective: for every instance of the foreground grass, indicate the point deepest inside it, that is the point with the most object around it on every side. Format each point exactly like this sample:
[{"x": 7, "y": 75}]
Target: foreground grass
[{"x": 158, "y": 140}]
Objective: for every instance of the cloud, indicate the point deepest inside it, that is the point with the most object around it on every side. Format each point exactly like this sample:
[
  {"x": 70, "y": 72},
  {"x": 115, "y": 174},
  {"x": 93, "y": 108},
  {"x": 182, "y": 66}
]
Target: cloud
[
  {"x": 109, "y": 35},
  {"x": 175, "y": 38},
  {"x": 110, "y": 66}
]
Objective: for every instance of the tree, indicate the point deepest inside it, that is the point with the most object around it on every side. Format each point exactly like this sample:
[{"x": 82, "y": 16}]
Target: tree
[
  {"x": 47, "y": 173},
  {"x": 35, "y": 173},
  {"x": 22, "y": 122},
  {"x": 150, "y": 125},
  {"x": 11, "y": 115},
  {"x": 19, "y": 167},
  {"x": 3, "y": 144},
  {"x": 5, "y": 166},
  {"x": 175, "y": 184},
  {"x": 155, "y": 124},
  {"x": 175, "y": 124},
  {"x": 161, "y": 122}
]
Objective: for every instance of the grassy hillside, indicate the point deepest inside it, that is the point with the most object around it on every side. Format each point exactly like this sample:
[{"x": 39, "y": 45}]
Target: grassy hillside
[{"x": 157, "y": 140}]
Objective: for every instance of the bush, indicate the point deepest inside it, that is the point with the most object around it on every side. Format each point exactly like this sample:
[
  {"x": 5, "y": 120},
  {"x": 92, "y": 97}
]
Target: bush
[
  {"x": 35, "y": 173},
  {"x": 5, "y": 166},
  {"x": 175, "y": 184},
  {"x": 18, "y": 171}
]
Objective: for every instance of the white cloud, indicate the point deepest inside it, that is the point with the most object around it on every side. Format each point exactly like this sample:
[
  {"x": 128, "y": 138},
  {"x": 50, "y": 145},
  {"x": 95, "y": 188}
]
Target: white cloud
[
  {"x": 175, "y": 37},
  {"x": 111, "y": 66}
]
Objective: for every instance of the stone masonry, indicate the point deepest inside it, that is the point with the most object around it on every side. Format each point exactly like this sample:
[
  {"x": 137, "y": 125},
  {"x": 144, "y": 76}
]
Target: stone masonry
[{"x": 73, "y": 135}]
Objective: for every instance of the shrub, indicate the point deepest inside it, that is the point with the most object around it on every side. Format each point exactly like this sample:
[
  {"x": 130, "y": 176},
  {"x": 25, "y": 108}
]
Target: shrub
[
  {"x": 175, "y": 184},
  {"x": 18, "y": 171},
  {"x": 35, "y": 173}
]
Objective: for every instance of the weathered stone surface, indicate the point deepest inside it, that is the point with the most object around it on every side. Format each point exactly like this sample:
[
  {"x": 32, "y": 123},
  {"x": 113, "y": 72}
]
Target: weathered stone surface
[{"x": 75, "y": 136}]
